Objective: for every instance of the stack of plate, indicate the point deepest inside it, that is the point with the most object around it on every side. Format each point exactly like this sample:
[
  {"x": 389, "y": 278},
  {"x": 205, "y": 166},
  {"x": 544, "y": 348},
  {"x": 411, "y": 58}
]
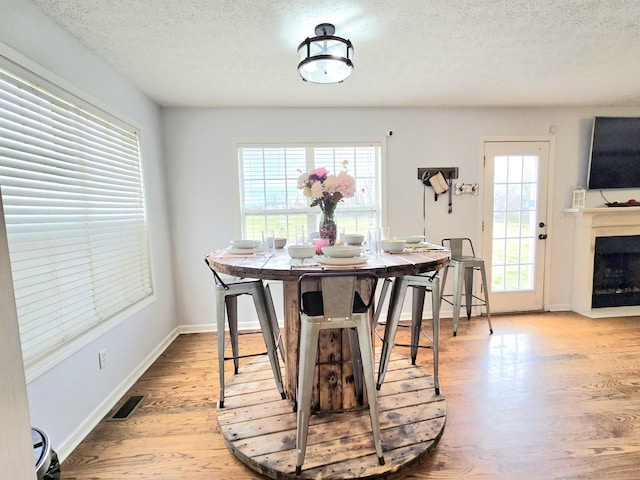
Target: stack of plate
[
  {"x": 244, "y": 247},
  {"x": 342, "y": 255}
]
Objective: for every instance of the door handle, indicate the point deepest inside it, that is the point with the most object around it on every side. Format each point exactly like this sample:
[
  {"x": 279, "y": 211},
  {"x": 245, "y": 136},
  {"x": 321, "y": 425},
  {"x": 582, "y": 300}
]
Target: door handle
[
  {"x": 542, "y": 236},
  {"x": 542, "y": 225}
]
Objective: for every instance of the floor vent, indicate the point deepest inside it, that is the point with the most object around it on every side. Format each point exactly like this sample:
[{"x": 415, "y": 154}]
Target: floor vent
[{"x": 127, "y": 408}]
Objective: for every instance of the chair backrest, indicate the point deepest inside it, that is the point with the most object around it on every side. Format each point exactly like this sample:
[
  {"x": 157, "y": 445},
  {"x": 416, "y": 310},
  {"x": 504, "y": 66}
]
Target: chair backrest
[
  {"x": 457, "y": 247},
  {"x": 338, "y": 297}
]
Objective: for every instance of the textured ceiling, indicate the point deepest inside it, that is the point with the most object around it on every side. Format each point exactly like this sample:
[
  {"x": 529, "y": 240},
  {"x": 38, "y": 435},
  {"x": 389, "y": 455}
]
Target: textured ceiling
[{"x": 407, "y": 52}]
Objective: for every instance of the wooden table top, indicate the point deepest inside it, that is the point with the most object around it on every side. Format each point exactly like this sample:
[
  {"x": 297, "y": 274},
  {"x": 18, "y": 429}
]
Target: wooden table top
[{"x": 281, "y": 267}]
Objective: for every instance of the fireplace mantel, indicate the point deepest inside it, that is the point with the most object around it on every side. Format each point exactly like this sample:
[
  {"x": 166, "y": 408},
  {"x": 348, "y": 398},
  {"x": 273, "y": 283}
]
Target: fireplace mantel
[{"x": 589, "y": 224}]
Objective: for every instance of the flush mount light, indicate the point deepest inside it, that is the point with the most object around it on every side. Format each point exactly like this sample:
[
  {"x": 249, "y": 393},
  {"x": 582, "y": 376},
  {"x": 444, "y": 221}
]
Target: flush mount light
[{"x": 325, "y": 58}]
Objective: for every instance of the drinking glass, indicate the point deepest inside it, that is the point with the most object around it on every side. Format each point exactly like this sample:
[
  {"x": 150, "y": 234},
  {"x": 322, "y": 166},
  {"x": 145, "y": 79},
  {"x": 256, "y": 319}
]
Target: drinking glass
[
  {"x": 373, "y": 240},
  {"x": 301, "y": 237},
  {"x": 268, "y": 242}
]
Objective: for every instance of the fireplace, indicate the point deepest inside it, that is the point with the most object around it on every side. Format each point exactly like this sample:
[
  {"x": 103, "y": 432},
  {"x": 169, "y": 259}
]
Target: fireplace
[
  {"x": 606, "y": 261},
  {"x": 616, "y": 271}
]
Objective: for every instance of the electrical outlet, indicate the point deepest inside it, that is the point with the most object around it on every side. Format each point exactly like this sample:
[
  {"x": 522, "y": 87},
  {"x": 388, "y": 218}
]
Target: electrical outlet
[{"x": 102, "y": 358}]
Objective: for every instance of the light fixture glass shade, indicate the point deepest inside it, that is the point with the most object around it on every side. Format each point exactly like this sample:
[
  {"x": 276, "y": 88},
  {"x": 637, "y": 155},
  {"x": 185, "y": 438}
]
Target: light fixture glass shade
[{"x": 325, "y": 58}]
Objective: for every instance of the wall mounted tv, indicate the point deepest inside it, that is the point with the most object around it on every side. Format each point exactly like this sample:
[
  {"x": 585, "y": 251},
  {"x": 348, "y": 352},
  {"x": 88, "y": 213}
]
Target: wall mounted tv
[{"x": 615, "y": 153}]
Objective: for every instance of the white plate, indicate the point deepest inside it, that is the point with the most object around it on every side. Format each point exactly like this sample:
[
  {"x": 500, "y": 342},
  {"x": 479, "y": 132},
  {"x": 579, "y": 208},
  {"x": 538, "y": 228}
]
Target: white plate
[
  {"x": 342, "y": 261},
  {"x": 410, "y": 239},
  {"x": 342, "y": 251},
  {"x": 243, "y": 251},
  {"x": 244, "y": 244}
]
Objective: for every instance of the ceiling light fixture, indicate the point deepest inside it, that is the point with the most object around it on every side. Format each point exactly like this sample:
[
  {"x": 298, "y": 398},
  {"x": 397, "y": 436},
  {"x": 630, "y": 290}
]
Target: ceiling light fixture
[{"x": 325, "y": 58}]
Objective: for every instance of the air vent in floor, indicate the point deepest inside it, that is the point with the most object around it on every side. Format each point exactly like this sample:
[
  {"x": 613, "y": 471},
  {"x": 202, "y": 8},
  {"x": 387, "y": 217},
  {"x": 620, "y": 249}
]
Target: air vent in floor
[{"x": 127, "y": 408}]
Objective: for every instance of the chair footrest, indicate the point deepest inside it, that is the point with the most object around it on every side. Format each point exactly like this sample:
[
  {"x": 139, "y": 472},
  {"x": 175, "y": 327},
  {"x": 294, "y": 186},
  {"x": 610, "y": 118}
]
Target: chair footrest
[
  {"x": 248, "y": 355},
  {"x": 482, "y": 301}
]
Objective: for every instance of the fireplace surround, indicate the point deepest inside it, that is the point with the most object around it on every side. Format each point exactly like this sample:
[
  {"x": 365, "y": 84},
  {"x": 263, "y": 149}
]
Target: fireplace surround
[{"x": 606, "y": 255}]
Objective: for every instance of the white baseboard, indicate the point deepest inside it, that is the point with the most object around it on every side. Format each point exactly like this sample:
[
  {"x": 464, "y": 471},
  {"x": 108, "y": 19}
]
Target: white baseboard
[{"x": 67, "y": 446}]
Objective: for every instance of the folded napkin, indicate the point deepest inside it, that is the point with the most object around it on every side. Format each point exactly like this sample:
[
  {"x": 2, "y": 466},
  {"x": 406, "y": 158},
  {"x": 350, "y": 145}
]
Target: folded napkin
[{"x": 424, "y": 247}]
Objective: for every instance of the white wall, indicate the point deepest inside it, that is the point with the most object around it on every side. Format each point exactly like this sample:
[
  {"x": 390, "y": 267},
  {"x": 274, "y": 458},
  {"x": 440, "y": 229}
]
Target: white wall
[
  {"x": 67, "y": 400},
  {"x": 16, "y": 451},
  {"x": 203, "y": 179}
]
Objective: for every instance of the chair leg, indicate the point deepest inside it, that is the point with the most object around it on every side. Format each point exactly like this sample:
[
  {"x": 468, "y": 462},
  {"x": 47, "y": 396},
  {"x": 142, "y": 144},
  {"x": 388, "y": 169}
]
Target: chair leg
[
  {"x": 273, "y": 318},
  {"x": 416, "y": 320},
  {"x": 220, "y": 324},
  {"x": 356, "y": 364},
  {"x": 268, "y": 335},
  {"x": 308, "y": 351},
  {"x": 364, "y": 338},
  {"x": 231, "y": 302},
  {"x": 445, "y": 270},
  {"x": 380, "y": 303},
  {"x": 457, "y": 294},
  {"x": 486, "y": 297},
  {"x": 468, "y": 290},
  {"x": 398, "y": 292},
  {"x": 435, "y": 306}
]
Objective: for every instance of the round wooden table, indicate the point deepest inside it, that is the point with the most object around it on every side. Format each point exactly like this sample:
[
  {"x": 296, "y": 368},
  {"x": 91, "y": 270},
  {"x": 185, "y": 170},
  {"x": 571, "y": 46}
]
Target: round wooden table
[
  {"x": 331, "y": 395},
  {"x": 260, "y": 428}
]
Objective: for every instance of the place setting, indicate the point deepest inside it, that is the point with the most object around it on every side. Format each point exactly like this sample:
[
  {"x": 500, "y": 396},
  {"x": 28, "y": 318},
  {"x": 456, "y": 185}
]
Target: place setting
[
  {"x": 409, "y": 244},
  {"x": 244, "y": 247},
  {"x": 342, "y": 255}
]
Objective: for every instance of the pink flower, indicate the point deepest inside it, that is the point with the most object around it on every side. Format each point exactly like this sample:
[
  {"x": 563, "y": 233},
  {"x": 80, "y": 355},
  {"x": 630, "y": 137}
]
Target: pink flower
[
  {"x": 345, "y": 185},
  {"x": 326, "y": 190},
  {"x": 319, "y": 172}
]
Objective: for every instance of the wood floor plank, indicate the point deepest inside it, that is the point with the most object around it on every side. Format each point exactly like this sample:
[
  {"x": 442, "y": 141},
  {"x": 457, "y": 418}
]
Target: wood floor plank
[{"x": 552, "y": 396}]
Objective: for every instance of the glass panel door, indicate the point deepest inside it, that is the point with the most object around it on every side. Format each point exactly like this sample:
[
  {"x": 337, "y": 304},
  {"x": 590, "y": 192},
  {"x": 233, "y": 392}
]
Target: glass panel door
[{"x": 514, "y": 223}]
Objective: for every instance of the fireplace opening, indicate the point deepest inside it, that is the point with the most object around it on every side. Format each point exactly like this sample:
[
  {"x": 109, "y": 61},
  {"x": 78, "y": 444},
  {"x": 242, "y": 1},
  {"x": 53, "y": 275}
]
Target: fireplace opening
[{"x": 616, "y": 271}]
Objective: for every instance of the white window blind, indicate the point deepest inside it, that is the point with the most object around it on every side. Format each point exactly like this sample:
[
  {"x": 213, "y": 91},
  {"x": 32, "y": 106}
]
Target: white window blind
[
  {"x": 74, "y": 207},
  {"x": 269, "y": 178}
]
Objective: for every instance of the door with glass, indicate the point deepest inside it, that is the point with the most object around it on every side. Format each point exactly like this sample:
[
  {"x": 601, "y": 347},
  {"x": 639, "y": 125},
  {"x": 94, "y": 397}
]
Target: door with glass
[{"x": 514, "y": 223}]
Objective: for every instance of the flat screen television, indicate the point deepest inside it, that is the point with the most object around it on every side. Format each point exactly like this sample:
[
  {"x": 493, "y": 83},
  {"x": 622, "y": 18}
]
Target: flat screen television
[{"x": 615, "y": 153}]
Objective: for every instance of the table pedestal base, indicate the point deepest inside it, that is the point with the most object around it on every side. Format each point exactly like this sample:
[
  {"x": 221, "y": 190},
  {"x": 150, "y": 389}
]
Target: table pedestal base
[{"x": 260, "y": 428}]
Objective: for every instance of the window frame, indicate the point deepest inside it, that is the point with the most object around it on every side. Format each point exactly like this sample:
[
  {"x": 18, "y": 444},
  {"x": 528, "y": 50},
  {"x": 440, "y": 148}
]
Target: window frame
[
  {"x": 79, "y": 101},
  {"x": 309, "y": 143}
]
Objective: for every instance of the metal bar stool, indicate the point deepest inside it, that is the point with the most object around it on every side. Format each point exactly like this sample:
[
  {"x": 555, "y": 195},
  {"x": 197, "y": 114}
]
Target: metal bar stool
[
  {"x": 336, "y": 305},
  {"x": 428, "y": 282},
  {"x": 227, "y": 292},
  {"x": 463, "y": 268}
]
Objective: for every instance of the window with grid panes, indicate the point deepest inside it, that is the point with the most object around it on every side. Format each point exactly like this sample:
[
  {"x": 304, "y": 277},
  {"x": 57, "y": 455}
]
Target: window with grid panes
[
  {"x": 269, "y": 194},
  {"x": 72, "y": 189}
]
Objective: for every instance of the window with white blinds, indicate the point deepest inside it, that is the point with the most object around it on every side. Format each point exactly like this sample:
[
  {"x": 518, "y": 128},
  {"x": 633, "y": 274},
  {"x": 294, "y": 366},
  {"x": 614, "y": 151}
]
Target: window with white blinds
[
  {"x": 269, "y": 194},
  {"x": 71, "y": 182}
]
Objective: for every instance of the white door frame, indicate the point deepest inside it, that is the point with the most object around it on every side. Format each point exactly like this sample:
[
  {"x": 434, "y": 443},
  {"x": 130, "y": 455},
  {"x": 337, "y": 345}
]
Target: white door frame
[{"x": 551, "y": 140}]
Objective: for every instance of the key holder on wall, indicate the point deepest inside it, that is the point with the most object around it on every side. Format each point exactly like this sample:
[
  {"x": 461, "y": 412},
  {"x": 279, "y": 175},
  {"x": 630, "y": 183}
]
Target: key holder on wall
[{"x": 440, "y": 179}]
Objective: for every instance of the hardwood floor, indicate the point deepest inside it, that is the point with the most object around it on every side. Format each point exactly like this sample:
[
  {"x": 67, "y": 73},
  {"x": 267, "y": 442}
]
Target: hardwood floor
[{"x": 547, "y": 396}]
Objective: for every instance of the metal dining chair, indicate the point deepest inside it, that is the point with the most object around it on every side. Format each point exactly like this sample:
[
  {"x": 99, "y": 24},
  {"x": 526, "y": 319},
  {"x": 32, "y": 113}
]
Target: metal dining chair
[
  {"x": 227, "y": 291},
  {"x": 427, "y": 282},
  {"x": 336, "y": 305},
  {"x": 464, "y": 265}
]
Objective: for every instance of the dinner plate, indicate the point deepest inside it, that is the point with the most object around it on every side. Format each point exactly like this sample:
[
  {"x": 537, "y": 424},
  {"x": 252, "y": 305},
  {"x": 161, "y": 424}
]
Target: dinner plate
[
  {"x": 342, "y": 261},
  {"x": 244, "y": 244},
  {"x": 411, "y": 239},
  {"x": 243, "y": 251}
]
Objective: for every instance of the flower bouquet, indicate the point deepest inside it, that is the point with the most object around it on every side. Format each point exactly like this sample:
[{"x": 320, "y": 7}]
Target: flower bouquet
[{"x": 326, "y": 191}]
